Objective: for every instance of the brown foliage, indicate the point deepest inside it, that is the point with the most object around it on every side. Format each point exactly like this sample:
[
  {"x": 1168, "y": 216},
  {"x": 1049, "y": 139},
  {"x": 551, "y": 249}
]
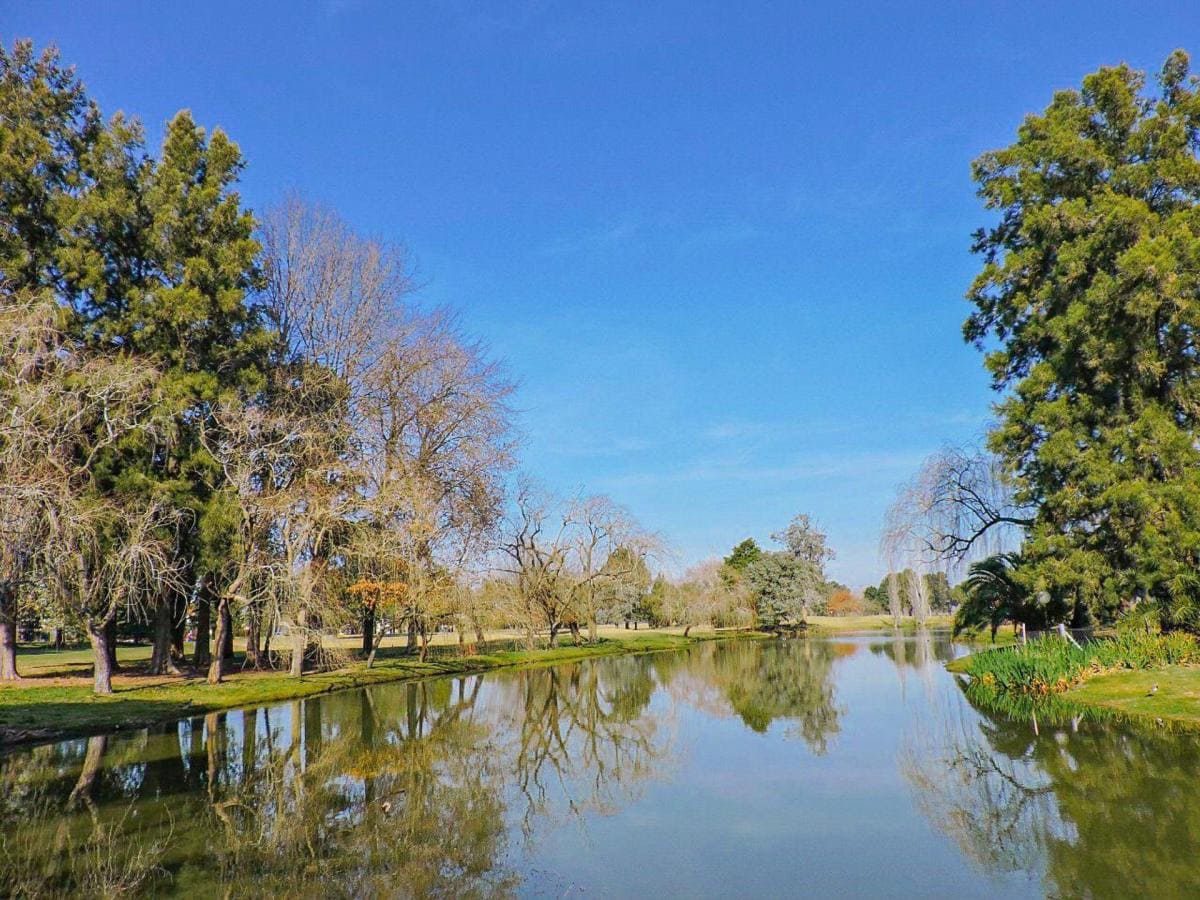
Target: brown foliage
[{"x": 844, "y": 603}]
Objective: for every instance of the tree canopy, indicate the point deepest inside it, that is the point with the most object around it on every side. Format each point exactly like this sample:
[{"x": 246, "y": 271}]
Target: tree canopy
[{"x": 1087, "y": 307}]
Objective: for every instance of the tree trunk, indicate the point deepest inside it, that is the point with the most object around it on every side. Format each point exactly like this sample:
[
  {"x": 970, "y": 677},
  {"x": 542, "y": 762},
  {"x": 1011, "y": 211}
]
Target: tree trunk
[
  {"x": 299, "y": 645},
  {"x": 111, "y": 635},
  {"x": 225, "y": 626},
  {"x": 478, "y": 633},
  {"x": 216, "y": 668},
  {"x": 592, "y": 632},
  {"x": 8, "y": 634},
  {"x": 374, "y": 649},
  {"x": 686, "y": 630},
  {"x": 202, "y": 655},
  {"x": 574, "y": 626},
  {"x": 412, "y": 635},
  {"x": 161, "y": 662},
  {"x": 267, "y": 625},
  {"x": 254, "y": 616},
  {"x": 179, "y": 609},
  {"x": 554, "y": 634},
  {"x": 100, "y": 637},
  {"x": 59, "y": 639},
  {"x": 424, "y": 645},
  {"x": 368, "y": 629}
]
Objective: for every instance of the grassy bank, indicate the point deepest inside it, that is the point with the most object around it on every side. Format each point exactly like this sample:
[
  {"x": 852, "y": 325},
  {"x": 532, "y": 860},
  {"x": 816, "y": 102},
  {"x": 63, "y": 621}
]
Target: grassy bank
[
  {"x": 835, "y": 624},
  {"x": 52, "y": 707},
  {"x": 844, "y": 624},
  {"x": 1133, "y": 674}
]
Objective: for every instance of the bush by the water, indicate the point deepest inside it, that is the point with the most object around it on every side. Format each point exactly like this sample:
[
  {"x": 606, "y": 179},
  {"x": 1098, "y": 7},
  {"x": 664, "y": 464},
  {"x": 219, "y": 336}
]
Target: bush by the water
[{"x": 1050, "y": 664}]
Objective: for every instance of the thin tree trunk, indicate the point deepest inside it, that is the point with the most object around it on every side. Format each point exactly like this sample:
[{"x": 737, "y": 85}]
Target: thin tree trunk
[
  {"x": 376, "y": 643},
  {"x": 216, "y": 668},
  {"x": 298, "y": 647},
  {"x": 374, "y": 649},
  {"x": 368, "y": 630},
  {"x": 100, "y": 636},
  {"x": 8, "y": 634},
  {"x": 254, "y": 617},
  {"x": 225, "y": 626},
  {"x": 686, "y": 630},
  {"x": 592, "y": 631},
  {"x": 59, "y": 639},
  {"x": 267, "y": 625},
  {"x": 179, "y": 608},
  {"x": 202, "y": 655},
  {"x": 412, "y": 635}
]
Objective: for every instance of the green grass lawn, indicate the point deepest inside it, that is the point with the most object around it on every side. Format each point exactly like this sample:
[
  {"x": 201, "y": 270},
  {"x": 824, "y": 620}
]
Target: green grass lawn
[
  {"x": 1177, "y": 697},
  {"x": 53, "y": 706}
]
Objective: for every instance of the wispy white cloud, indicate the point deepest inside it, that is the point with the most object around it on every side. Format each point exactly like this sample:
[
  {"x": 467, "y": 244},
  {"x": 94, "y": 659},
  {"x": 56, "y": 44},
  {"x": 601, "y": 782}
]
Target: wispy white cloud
[{"x": 593, "y": 240}]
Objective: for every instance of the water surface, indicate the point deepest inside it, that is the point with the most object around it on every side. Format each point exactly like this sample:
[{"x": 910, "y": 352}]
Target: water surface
[{"x": 849, "y": 766}]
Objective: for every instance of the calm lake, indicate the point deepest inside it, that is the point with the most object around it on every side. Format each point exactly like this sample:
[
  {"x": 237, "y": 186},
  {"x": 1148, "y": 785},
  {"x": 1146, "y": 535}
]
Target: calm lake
[{"x": 848, "y": 766}]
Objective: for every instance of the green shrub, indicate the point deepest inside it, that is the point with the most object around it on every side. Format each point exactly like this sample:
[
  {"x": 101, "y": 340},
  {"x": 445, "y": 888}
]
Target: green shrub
[{"x": 1049, "y": 664}]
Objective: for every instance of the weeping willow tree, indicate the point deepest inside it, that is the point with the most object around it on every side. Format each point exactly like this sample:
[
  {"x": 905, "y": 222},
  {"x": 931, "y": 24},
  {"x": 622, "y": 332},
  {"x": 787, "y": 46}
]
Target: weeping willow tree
[
  {"x": 959, "y": 508},
  {"x": 895, "y": 600}
]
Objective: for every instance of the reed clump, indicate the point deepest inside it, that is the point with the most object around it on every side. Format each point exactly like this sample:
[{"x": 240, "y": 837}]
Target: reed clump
[{"x": 1050, "y": 665}]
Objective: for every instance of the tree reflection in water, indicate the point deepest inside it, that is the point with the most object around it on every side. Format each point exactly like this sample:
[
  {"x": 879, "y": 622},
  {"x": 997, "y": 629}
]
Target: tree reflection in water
[
  {"x": 407, "y": 789},
  {"x": 788, "y": 681},
  {"x": 1102, "y": 808}
]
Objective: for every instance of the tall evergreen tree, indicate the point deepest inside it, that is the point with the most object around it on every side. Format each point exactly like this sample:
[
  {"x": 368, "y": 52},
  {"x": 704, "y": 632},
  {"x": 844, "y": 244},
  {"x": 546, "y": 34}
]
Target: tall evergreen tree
[
  {"x": 1089, "y": 305},
  {"x": 152, "y": 259}
]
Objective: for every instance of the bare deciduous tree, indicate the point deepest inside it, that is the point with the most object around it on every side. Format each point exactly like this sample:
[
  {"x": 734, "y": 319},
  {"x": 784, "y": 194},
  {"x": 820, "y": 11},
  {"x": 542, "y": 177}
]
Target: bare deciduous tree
[
  {"x": 100, "y": 551},
  {"x": 703, "y": 596}
]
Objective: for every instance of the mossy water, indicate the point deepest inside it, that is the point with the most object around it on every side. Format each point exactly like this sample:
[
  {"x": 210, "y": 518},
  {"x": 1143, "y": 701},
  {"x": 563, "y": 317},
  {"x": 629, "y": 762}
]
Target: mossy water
[{"x": 849, "y": 766}]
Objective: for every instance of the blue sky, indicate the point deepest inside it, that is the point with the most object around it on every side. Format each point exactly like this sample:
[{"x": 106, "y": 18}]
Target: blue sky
[{"x": 722, "y": 246}]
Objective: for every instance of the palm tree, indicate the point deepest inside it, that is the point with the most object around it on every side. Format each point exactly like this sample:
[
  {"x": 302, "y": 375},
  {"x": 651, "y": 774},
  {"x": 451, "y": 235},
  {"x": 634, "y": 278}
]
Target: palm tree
[{"x": 993, "y": 594}]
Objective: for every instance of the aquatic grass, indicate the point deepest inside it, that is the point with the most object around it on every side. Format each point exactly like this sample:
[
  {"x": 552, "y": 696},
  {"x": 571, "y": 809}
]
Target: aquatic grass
[{"x": 1050, "y": 664}]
